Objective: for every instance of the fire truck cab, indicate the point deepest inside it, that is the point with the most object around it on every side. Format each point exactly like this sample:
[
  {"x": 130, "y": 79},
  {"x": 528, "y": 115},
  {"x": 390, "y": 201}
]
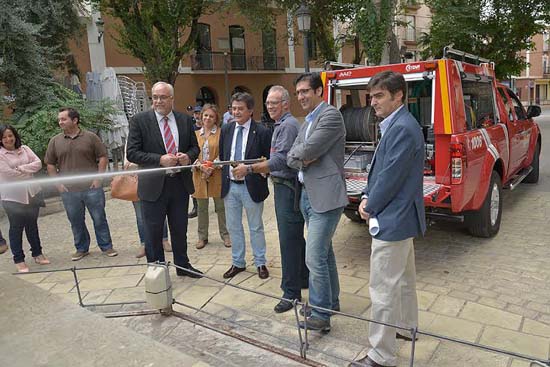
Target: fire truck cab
[{"x": 478, "y": 137}]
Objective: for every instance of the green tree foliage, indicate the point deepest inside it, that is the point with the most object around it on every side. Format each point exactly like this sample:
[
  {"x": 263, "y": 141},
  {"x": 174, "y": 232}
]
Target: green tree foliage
[
  {"x": 374, "y": 21},
  {"x": 37, "y": 129},
  {"x": 157, "y": 32},
  {"x": 494, "y": 29},
  {"x": 33, "y": 41}
]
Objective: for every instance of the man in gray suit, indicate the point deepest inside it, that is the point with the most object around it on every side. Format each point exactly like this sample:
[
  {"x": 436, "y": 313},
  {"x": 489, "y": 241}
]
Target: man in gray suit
[
  {"x": 394, "y": 198},
  {"x": 318, "y": 154}
]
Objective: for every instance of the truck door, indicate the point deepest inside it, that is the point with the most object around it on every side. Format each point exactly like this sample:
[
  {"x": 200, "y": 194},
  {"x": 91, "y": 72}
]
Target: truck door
[{"x": 519, "y": 141}]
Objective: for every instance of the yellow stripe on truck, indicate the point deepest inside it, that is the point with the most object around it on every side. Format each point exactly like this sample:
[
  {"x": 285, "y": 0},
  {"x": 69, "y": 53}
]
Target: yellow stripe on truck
[{"x": 444, "y": 96}]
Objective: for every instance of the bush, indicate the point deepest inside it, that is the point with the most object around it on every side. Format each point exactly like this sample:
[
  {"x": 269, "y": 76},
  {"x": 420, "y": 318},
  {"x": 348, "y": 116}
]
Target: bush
[{"x": 39, "y": 125}]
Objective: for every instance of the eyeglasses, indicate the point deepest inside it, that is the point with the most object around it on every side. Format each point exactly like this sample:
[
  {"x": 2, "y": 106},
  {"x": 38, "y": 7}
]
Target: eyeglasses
[
  {"x": 160, "y": 98},
  {"x": 273, "y": 103},
  {"x": 303, "y": 92}
]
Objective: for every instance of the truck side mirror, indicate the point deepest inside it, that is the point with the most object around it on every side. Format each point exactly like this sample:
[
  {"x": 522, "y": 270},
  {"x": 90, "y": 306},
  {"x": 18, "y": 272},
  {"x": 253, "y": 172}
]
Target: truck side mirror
[{"x": 533, "y": 111}]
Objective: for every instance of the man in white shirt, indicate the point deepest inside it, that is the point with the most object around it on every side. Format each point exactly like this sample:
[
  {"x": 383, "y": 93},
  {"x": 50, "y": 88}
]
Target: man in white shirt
[{"x": 244, "y": 138}]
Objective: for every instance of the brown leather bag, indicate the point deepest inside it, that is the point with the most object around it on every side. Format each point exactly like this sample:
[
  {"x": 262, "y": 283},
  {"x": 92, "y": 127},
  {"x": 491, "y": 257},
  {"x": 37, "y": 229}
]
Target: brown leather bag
[{"x": 124, "y": 187}]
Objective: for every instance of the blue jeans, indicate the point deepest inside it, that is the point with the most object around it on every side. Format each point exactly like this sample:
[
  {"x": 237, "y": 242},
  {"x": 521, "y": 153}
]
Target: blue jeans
[
  {"x": 75, "y": 204},
  {"x": 324, "y": 287},
  {"x": 290, "y": 224},
  {"x": 141, "y": 226},
  {"x": 236, "y": 199},
  {"x": 22, "y": 217}
]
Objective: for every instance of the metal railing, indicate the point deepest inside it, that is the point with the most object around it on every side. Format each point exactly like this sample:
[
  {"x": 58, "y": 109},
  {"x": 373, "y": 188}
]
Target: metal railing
[
  {"x": 217, "y": 61},
  {"x": 303, "y": 344}
]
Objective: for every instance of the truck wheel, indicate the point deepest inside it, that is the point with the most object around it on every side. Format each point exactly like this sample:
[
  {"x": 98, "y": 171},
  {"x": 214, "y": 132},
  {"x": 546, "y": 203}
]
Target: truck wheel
[
  {"x": 533, "y": 177},
  {"x": 485, "y": 222},
  {"x": 353, "y": 215}
]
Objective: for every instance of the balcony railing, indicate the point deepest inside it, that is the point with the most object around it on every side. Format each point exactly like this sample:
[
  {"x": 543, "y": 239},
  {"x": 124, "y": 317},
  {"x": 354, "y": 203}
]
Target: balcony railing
[
  {"x": 546, "y": 72},
  {"x": 234, "y": 61}
]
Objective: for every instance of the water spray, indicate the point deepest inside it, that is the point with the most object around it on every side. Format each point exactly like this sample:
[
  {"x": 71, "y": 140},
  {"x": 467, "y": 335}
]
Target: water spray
[{"x": 48, "y": 181}]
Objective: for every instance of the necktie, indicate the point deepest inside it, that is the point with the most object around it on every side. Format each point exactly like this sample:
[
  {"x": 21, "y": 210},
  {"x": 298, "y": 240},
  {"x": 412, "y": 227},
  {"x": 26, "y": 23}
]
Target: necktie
[
  {"x": 169, "y": 138},
  {"x": 239, "y": 144}
]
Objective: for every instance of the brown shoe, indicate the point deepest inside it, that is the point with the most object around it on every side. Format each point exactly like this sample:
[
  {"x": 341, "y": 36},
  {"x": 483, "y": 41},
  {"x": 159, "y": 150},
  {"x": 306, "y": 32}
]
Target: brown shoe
[
  {"x": 233, "y": 270},
  {"x": 3, "y": 248},
  {"x": 167, "y": 245},
  {"x": 110, "y": 252},
  {"x": 227, "y": 242},
  {"x": 41, "y": 260},
  {"x": 141, "y": 252},
  {"x": 79, "y": 255},
  {"x": 201, "y": 243},
  {"x": 263, "y": 273}
]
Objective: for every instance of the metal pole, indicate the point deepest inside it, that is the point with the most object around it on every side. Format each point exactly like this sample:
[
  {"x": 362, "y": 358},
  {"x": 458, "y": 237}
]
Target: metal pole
[
  {"x": 306, "y": 52},
  {"x": 226, "y": 78}
]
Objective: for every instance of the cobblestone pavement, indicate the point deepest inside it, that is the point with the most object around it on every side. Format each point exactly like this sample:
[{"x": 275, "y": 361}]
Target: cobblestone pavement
[{"x": 492, "y": 291}]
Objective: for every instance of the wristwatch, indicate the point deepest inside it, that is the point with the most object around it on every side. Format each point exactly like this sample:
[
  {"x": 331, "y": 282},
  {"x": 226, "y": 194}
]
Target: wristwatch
[{"x": 249, "y": 169}]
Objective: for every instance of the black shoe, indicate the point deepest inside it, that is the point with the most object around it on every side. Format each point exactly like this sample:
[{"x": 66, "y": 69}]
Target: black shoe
[
  {"x": 185, "y": 273},
  {"x": 233, "y": 270},
  {"x": 192, "y": 213},
  {"x": 337, "y": 308},
  {"x": 283, "y": 306},
  {"x": 314, "y": 323},
  {"x": 263, "y": 273},
  {"x": 405, "y": 337}
]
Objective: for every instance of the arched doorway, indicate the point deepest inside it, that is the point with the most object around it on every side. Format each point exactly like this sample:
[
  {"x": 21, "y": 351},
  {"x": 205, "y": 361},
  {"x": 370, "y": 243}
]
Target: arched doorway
[
  {"x": 204, "y": 96},
  {"x": 241, "y": 89}
]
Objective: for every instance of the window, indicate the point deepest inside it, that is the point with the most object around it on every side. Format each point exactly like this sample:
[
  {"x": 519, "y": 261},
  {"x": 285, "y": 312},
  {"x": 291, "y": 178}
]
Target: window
[
  {"x": 312, "y": 47},
  {"x": 410, "y": 31},
  {"x": 269, "y": 43},
  {"x": 546, "y": 41},
  {"x": 236, "y": 44},
  {"x": 518, "y": 108},
  {"x": 203, "y": 47},
  {"x": 479, "y": 102}
]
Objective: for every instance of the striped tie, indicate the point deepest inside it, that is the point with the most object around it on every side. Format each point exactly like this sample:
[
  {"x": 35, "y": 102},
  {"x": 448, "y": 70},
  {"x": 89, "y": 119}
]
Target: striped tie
[{"x": 169, "y": 138}]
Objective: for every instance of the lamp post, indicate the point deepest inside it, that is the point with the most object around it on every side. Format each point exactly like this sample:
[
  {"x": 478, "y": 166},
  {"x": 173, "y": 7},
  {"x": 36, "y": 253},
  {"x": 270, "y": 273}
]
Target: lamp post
[{"x": 303, "y": 16}]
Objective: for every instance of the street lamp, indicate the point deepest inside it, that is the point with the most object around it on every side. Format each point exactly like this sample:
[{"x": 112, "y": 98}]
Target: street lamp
[
  {"x": 303, "y": 16},
  {"x": 100, "y": 24}
]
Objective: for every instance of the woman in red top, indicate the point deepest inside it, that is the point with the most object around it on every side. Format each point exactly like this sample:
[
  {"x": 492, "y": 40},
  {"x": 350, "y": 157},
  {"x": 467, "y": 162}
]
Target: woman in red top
[{"x": 18, "y": 162}]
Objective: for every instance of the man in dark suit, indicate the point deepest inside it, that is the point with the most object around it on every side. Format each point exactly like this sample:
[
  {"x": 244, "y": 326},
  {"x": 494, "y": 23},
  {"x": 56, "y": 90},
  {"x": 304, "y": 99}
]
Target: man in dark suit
[
  {"x": 244, "y": 138},
  {"x": 164, "y": 138},
  {"x": 393, "y": 203}
]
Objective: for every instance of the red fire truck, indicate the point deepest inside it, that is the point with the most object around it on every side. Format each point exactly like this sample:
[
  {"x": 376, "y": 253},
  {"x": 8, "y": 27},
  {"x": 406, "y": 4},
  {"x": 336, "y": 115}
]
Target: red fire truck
[{"x": 479, "y": 138}]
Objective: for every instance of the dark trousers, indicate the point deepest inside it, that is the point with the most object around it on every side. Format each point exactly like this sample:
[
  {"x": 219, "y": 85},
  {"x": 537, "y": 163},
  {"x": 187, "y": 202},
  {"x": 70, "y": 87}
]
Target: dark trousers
[
  {"x": 290, "y": 224},
  {"x": 172, "y": 203},
  {"x": 22, "y": 217}
]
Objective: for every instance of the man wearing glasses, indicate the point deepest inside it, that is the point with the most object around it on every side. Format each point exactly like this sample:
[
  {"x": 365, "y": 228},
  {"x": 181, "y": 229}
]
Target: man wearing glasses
[
  {"x": 318, "y": 154},
  {"x": 290, "y": 221},
  {"x": 164, "y": 138}
]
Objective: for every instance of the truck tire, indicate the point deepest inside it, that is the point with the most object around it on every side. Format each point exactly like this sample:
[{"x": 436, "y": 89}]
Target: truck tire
[
  {"x": 353, "y": 215},
  {"x": 533, "y": 176},
  {"x": 485, "y": 222}
]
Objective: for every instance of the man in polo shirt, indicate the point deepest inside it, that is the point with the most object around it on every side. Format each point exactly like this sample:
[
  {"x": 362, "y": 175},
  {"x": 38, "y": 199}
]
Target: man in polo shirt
[{"x": 72, "y": 152}]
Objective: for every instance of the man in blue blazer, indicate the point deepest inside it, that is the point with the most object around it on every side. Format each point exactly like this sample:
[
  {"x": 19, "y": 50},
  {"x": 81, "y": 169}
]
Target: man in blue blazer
[
  {"x": 244, "y": 138},
  {"x": 394, "y": 198}
]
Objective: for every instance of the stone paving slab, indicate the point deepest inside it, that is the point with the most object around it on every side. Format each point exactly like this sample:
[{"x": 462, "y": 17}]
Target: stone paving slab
[{"x": 40, "y": 329}]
